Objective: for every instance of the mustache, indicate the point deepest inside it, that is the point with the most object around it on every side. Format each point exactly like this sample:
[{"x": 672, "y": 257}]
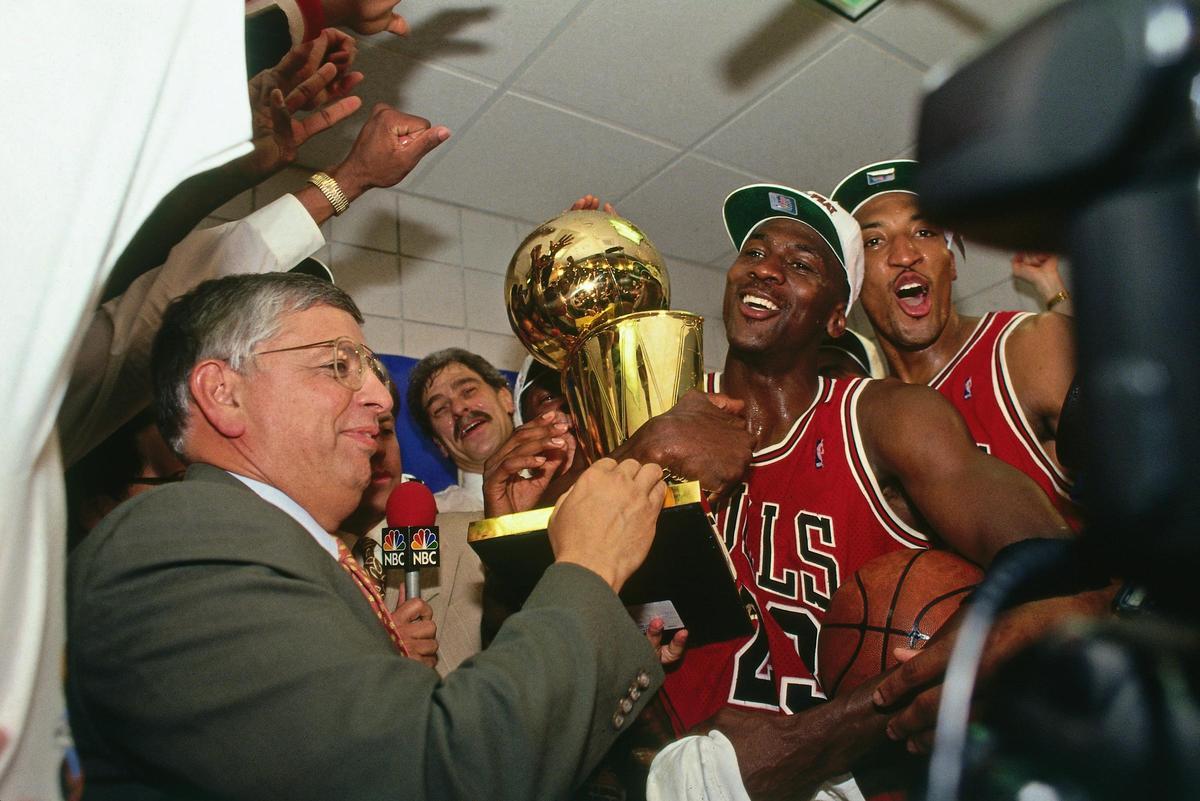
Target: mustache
[{"x": 469, "y": 419}]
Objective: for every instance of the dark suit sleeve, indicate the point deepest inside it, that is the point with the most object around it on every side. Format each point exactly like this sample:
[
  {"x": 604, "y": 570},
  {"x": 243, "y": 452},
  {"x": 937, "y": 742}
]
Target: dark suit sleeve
[{"x": 225, "y": 656}]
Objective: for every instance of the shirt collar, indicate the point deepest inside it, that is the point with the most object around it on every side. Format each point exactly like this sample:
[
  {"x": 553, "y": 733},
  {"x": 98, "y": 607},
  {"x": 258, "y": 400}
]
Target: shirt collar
[
  {"x": 472, "y": 482},
  {"x": 281, "y": 501}
]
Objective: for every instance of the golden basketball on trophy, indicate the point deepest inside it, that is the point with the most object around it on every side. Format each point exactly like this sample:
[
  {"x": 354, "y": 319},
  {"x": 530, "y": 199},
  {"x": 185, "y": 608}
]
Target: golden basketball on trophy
[{"x": 587, "y": 293}]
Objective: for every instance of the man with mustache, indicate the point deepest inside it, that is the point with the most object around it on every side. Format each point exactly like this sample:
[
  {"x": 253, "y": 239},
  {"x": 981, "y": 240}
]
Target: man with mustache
[
  {"x": 464, "y": 405},
  {"x": 1007, "y": 372}
]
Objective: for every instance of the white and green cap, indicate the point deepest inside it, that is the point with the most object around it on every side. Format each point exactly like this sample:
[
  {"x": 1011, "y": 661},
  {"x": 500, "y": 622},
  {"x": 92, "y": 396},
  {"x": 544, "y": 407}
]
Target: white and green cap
[
  {"x": 897, "y": 175},
  {"x": 880, "y": 178},
  {"x": 749, "y": 207}
]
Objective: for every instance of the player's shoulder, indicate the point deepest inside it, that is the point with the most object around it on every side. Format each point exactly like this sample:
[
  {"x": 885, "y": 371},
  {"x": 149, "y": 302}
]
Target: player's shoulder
[
  {"x": 889, "y": 408},
  {"x": 1041, "y": 330}
]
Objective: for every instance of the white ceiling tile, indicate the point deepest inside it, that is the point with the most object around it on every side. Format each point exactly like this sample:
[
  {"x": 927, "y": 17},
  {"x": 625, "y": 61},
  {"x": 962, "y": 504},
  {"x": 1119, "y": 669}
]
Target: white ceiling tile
[
  {"x": 675, "y": 70},
  {"x": 439, "y": 96},
  {"x": 929, "y": 32},
  {"x": 529, "y": 160},
  {"x": 685, "y": 202},
  {"x": 845, "y": 109},
  {"x": 484, "y": 37}
]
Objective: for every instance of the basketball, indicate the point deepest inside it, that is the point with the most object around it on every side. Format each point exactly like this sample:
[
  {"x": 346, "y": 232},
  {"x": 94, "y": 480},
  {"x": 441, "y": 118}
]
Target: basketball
[{"x": 898, "y": 599}]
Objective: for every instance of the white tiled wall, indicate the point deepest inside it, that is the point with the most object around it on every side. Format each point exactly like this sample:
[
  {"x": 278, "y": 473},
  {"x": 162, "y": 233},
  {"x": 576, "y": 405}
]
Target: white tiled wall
[{"x": 430, "y": 275}]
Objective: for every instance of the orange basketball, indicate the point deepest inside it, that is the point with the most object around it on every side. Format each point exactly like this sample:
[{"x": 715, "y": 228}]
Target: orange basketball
[{"x": 898, "y": 599}]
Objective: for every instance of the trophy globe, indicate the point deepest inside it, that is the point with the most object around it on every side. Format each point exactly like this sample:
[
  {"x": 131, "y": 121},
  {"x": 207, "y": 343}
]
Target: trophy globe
[{"x": 587, "y": 293}]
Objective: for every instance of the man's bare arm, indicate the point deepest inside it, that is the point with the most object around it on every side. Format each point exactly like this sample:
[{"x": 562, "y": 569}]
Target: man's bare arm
[
  {"x": 1041, "y": 362},
  {"x": 974, "y": 502}
]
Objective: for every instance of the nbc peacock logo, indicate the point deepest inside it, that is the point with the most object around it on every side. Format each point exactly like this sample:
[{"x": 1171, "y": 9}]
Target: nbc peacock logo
[
  {"x": 423, "y": 545},
  {"x": 394, "y": 547},
  {"x": 424, "y": 539}
]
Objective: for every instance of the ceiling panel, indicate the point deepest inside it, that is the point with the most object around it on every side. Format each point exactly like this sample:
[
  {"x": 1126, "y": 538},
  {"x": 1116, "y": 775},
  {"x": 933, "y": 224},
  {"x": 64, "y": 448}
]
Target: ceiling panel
[
  {"x": 675, "y": 71},
  {"x": 489, "y": 38},
  {"x": 440, "y": 96},
  {"x": 854, "y": 104},
  {"x": 526, "y": 159},
  {"x": 684, "y": 202}
]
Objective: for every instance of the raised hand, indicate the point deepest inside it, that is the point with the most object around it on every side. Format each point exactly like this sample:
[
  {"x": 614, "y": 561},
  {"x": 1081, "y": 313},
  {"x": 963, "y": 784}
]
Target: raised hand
[
  {"x": 1041, "y": 270},
  {"x": 543, "y": 448},
  {"x": 313, "y": 76},
  {"x": 366, "y": 16},
  {"x": 606, "y": 521},
  {"x": 389, "y": 146}
]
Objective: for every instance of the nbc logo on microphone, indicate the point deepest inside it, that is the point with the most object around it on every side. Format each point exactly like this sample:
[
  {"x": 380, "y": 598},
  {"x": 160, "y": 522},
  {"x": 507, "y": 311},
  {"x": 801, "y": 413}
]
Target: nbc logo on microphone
[
  {"x": 395, "y": 546},
  {"x": 423, "y": 544}
]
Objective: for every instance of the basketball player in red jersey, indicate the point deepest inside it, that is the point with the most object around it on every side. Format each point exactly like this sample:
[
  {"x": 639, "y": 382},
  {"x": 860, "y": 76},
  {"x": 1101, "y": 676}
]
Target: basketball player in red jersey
[
  {"x": 844, "y": 470},
  {"x": 1007, "y": 373}
]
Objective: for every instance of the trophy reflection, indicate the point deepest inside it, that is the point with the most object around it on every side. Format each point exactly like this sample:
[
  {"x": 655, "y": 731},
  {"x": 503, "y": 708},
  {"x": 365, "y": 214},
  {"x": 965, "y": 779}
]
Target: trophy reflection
[{"x": 587, "y": 293}]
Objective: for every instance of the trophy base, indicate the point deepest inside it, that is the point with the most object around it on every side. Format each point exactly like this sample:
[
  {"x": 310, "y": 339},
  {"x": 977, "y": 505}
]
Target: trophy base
[{"x": 687, "y": 578}]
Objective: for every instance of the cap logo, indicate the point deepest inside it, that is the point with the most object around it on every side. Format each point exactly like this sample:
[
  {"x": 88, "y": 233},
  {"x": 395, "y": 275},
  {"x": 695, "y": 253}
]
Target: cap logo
[
  {"x": 782, "y": 203},
  {"x": 876, "y": 177}
]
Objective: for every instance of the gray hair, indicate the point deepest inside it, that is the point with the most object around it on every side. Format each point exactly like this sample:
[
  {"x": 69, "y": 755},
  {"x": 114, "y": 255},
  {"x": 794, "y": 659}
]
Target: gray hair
[{"x": 226, "y": 319}]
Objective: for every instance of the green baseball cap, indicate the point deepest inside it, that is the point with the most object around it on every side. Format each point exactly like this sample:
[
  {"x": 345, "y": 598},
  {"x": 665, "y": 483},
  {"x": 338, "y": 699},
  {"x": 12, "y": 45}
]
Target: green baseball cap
[
  {"x": 898, "y": 175},
  {"x": 750, "y": 206}
]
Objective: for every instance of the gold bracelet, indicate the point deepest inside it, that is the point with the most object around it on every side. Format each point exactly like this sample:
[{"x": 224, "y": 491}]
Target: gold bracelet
[
  {"x": 331, "y": 190},
  {"x": 1057, "y": 299}
]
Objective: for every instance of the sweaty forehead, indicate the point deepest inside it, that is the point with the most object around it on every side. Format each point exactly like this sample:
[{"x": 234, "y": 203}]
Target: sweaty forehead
[{"x": 793, "y": 233}]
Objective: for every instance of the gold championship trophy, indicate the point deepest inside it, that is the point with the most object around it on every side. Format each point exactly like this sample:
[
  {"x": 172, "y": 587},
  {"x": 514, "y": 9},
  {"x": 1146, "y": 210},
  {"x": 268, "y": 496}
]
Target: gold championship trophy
[{"x": 587, "y": 294}]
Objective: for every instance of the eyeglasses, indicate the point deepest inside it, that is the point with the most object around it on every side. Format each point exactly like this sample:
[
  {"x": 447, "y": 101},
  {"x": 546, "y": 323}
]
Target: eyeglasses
[{"x": 347, "y": 360}]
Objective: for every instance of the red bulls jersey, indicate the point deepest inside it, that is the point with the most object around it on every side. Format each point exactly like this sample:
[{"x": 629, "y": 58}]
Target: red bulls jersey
[
  {"x": 809, "y": 514},
  {"x": 977, "y": 382}
]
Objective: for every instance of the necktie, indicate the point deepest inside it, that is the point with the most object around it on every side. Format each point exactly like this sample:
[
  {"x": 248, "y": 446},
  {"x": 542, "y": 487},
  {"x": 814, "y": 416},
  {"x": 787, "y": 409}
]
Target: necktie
[
  {"x": 367, "y": 556},
  {"x": 372, "y": 594}
]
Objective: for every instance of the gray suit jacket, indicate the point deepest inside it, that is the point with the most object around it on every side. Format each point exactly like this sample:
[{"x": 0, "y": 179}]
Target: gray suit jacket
[{"x": 216, "y": 651}]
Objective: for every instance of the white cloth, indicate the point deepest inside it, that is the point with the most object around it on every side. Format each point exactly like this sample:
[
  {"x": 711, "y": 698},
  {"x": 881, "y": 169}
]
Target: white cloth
[
  {"x": 282, "y": 501},
  {"x": 705, "y": 768},
  {"x": 110, "y": 380},
  {"x": 465, "y": 496},
  {"x": 696, "y": 768},
  {"x": 128, "y": 99}
]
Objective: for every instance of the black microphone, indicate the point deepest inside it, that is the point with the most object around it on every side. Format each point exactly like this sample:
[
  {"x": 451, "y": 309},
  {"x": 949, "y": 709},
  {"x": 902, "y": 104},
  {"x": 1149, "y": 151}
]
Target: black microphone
[{"x": 410, "y": 540}]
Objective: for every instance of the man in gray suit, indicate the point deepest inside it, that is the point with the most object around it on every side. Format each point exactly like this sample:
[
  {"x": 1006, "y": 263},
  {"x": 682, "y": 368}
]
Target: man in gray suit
[{"x": 218, "y": 649}]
